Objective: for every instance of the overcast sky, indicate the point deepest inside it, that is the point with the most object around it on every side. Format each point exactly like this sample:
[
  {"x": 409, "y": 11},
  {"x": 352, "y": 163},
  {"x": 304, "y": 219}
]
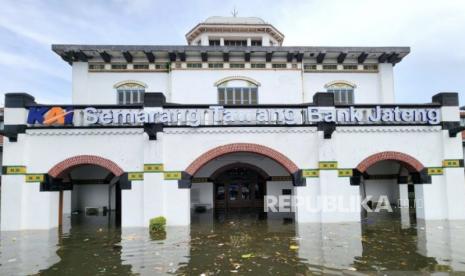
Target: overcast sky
[{"x": 435, "y": 31}]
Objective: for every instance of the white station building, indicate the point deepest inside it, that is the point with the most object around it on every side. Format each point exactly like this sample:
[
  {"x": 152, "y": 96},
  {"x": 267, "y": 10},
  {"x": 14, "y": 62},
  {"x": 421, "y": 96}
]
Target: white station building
[{"x": 221, "y": 123}]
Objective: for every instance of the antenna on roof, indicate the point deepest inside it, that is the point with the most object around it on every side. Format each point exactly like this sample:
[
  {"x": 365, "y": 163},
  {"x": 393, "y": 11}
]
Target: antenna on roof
[{"x": 234, "y": 12}]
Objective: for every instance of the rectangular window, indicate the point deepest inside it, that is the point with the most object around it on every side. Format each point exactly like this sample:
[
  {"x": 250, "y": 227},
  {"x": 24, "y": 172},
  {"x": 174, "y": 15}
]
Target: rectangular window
[
  {"x": 278, "y": 65},
  {"x": 215, "y": 65},
  {"x": 370, "y": 67},
  {"x": 237, "y": 95},
  {"x": 329, "y": 67},
  {"x": 221, "y": 98},
  {"x": 309, "y": 67},
  {"x": 119, "y": 66},
  {"x": 342, "y": 96},
  {"x": 258, "y": 65},
  {"x": 236, "y": 65},
  {"x": 256, "y": 43},
  {"x": 161, "y": 66},
  {"x": 96, "y": 67},
  {"x": 141, "y": 67},
  {"x": 350, "y": 67},
  {"x": 214, "y": 42},
  {"x": 194, "y": 65},
  {"x": 120, "y": 97},
  {"x": 235, "y": 43},
  {"x": 254, "y": 95}
]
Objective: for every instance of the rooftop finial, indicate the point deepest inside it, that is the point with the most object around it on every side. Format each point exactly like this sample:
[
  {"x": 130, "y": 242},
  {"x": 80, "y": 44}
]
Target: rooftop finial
[{"x": 234, "y": 12}]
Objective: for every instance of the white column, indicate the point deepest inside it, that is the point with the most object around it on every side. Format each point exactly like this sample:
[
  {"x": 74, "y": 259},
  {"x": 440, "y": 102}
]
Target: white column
[
  {"x": 339, "y": 198},
  {"x": 307, "y": 209},
  {"x": 454, "y": 178},
  {"x": 132, "y": 205},
  {"x": 177, "y": 204},
  {"x": 12, "y": 190},
  {"x": 249, "y": 41},
  {"x": 403, "y": 204},
  {"x": 221, "y": 41},
  {"x": 386, "y": 82}
]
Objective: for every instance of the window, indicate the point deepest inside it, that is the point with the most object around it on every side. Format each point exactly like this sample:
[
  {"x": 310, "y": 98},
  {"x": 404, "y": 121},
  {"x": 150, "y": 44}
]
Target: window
[
  {"x": 258, "y": 65},
  {"x": 214, "y": 42},
  {"x": 161, "y": 66},
  {"x": 119, "y": 66},
  {"x": 141, "y": 67},
  {"x": 236, "y": 65},
  {"x": 278, "y": 65},
  {"x": 96, "y": 66},
  {"x": 235, "y": 43},
  {"x": 350, "y": 67},
  {"x": 194, "y": 65},
  {"x": 343, "y": 92},
  {"x": 215, "y": 65},
  {"x": 370, "y": 67},
  {"x": 130, "y": 93},
  {"x": 329, "y": 67},
  {"x": 309, "y": 67},
  {"x": 237, "y": 92},
  {"x": 256, "y": 43}
]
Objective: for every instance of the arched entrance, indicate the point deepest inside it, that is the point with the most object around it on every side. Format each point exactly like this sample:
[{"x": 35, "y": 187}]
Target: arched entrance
[
  {"x": 90, "y": 191},
  {"x": 236, "y": 178},
  {"x": 387, "y": 186},
  {"x": 239, "y": 185}
]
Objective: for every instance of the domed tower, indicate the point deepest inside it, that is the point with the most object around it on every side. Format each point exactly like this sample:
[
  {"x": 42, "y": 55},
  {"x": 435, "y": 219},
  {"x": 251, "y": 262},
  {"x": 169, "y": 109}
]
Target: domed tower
[{"x": 234, "y": 31}]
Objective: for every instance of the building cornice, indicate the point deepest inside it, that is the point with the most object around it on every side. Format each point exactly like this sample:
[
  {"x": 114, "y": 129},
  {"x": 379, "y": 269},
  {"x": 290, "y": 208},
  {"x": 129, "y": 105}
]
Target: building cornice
[{"x": 172, "y": 53}]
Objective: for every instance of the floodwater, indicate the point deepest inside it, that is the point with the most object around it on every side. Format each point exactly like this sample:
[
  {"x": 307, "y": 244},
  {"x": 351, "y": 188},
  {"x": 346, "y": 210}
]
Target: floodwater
[{"x": 245, "y": 243}]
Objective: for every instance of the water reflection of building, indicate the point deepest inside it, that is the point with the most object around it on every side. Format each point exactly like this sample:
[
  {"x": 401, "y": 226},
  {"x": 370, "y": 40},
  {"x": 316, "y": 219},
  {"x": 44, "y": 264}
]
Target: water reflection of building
[{"x": 221, "y": 122}]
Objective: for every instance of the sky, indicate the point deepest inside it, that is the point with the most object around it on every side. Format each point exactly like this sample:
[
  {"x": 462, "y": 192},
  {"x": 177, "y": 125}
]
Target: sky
[{"x": 435, "y": 31}]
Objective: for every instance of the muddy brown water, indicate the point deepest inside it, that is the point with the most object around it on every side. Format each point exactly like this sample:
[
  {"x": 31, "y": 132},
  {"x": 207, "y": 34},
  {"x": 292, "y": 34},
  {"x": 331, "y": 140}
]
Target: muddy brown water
[{"x": 246, "y": 243}]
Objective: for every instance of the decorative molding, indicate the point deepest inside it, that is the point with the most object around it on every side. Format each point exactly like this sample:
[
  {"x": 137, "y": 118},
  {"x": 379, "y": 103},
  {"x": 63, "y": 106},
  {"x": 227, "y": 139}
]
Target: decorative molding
[
  {"x": 327, "y": 165},
  {"x": 435, "y": 171},
  {"x": 243, "y": 78},
  {"x": 345, "y": 172},
  {"x": 172, "y": 175},
  {"x": 384, "y": 129},
  {"x": 452, "y": 163},
  {"x": 310, "y": 173},
  {"x": 339, "y": 82},
  {"x": 34, "y": 178},
  {"x": 121, "y": 83},
  {"x": 83, "y": 132},
  {"x": 153, "y": 168},
  {"x": 237, "y": 130},
  {"x": 135, "y": 175},
  {"x": 14, "y": 170}
]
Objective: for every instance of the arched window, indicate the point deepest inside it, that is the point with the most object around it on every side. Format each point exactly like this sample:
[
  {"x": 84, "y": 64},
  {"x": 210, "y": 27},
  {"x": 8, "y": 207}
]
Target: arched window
[
  {"x": 343, "y": 92},
  {"x": 237, "y": 91},
  {"x": 130, "y": 93}
]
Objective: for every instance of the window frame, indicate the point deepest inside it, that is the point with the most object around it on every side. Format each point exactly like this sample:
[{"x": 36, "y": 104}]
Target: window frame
[
  {"x": 230, "y": 99},
  {"x": 344, "y": 93},
  {"x": 134, "y": 94}
]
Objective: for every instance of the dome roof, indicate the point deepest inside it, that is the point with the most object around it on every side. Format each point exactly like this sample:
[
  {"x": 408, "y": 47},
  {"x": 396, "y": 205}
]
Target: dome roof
[{"x": 234, "y": 20}]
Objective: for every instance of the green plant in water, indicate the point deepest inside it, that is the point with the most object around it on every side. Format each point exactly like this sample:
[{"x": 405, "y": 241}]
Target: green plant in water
[{"x": 157, "y": 225}]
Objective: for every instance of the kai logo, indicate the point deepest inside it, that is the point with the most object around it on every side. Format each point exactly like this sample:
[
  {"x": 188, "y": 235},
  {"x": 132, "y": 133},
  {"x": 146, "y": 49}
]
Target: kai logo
[{"x": 50, "y": 116}]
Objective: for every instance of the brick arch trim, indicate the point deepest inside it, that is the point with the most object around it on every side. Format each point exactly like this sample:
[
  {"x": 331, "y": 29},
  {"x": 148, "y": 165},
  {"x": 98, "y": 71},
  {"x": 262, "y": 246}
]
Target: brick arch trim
[
  {"x": 203, "y": 159},
  {"x": 59, "y": 169},
  {"x": 412, "y": 164}
]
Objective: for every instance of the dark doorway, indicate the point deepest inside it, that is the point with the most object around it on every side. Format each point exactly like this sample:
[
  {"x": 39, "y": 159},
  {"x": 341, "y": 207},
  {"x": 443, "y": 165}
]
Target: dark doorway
[
  {"x": 239, "y": 186},
  {"x": 94, "y": 199}
]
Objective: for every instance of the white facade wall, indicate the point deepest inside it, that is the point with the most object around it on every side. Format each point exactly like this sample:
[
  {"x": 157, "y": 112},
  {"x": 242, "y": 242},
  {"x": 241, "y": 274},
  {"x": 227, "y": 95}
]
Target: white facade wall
[{"x": 277, "y": 86}]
